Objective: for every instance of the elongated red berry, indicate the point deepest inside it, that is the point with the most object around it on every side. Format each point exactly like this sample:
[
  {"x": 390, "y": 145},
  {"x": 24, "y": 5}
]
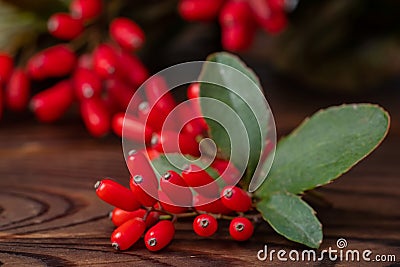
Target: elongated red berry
[
  {"x": 237, "y": 38},
  {"x": 49, "y": 105},
  {"x": 55, "y": 61},
  {"x": 269, "y": 15},
  {"x": 139, "y": 164},
  {"x": 227, "y": 171},
  {"x": 205, "y": 225},
  {"x": 122, "y": 94},
  {"x": 86, "y": 9},
  {"x": 199, "y": 10},
  {"x": 16, "y": 95},
  {"x": 241, "y": 229},
  {"x": 204, "y": 204},
  {"x": 117, "y": 195},
  {"x": 201, "y": 181},
  {"x": 105, "y": 61},
  {"x": 132, "y": 69},
  {"x": 87, "y": 84},
  {"x": 193, "y": 93},
  {"x": 128, "y": 234},
  {"x": 159, "y": 236},
  {"x": 144, "y": 189},
  {"x": 127, "y": 33},
  {"x": 168, "y": 205},
  {"x": 64, "y": 26},
  {"x": 172, "y": 142},
  {"x": 131, "y": 128},
  {"x": 6, "y": 67},
  {"x": 119, "y": 216},
  {"x": 172, "y": 184},
  {"x": 236, "y": 199},
  {"x": 192, "y": 125},
  {"x": 157, "y": 93},
  {"x": 96, "y": 117}
]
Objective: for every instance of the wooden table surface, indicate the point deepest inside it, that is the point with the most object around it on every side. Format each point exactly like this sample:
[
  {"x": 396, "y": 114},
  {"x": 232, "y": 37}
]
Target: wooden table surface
[{"x": 50, "y": 215}]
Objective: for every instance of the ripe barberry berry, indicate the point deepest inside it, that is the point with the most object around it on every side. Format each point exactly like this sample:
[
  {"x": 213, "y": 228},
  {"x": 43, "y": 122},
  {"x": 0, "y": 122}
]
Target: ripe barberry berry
[
  {"x": 105, "y": 61},
  {"x": 144, "y": 190},
  {"x": 117, "y": 195},
  {"x": 201, "y": 181},
  {"x": 173, "y": 185},
  {"x": 132, "y": 69},
  {"x": 6, "y": 67},
  {"x": 157, "y": 93},
  {"x": 172, "y": 142},
  {"x": 192, "y": 125},
  {"x": 127, "y": 33},
  {"x": 16, "y": 95},
  {"x": 128, "y": 234},
  {"x": 64, "y": 26},
  {"x": 96, "y": 117},
  {"x": 167, "y": 204},
  {"x": 227, "y": 171},
  {"x": 131, "y": 128},
  {"x": 204, "y": 204},
  {"x": 55, "y": 61},
  {"x": 241, "y": 229},
  {"x": 159, "y": 236},
  {"x": 122, "y": 94},
  {"x": 193, "y": 94},
  {"x": 85, "y": 9},
  {"x": 49, "y": 105},
  {"x": 199, "y": 10},
  {"x": 236, "y": 199},
  {"x": 205, "y": 225},
  {"x": 139, "y": 164},
  {"x": 87, "y": 84},
  {"x": 119, "y": 216}
]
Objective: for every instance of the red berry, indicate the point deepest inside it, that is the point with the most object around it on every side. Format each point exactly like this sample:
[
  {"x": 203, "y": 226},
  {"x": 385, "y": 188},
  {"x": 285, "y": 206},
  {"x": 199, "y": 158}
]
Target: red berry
[
  {"x": 237, "y": 38},
  {"x": 119, "y": 216},
  {"x": 201, "y": 181},
  {"x": 96, "y": 117},
  {"x": 172, "y": 184},
  {"x": 16, "y": 95},
  {"x": 191, "y": 124},
  {"x": 205, "y": 225},
  {"x": 227, "y": 171},
  {"x": 241, "y": 229},
  {"x": 6, "y": 67},
  {"x": 127, "y": 33},
  {"x": 105, "y": 61},
  {"x": 132, "y": 69},
  {"x": 157, "y": 93},
  {"x": 128, "y": 234},
  {"x": 193, "y": 93},
  {"x": 275, "y": 23},
  {"x": 138, "y": 164},
  {"x": 203, "y": 10},
  {"x": 159, "y": 236},
  {"x": 86, "y": 84},
  {"x": 49, "y": 105},
  {"x": 65, "y": 27},
  {"x": 236, "y": 199},
  {"x": 172, "y": 142},
  {"x": 168, "y": 205},
  {"x": 204, "y": 204},
  {"x": 55, "y": 61},
  {"x": 131, "y": 127},
  {"x": 144, "y": 189},
  {"x": 86, "y": 9},
  {"x": 122, "y": 94},
  {"x": 269, "y": 15},
  {"x": 116, "y": 195},
  {"x": 1, "y": 102}
]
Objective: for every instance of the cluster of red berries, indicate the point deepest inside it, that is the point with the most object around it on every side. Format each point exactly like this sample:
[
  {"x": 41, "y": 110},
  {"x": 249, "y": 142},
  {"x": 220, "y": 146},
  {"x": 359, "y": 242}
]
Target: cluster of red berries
[
  {"x": 101, "y": 80},
  {"x": 155, "y": 202},
  {"x": 239, "y": 19}
]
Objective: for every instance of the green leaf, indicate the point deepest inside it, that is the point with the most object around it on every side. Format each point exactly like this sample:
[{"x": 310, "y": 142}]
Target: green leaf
[
  {"x": 247, "y": 125},
  {"x": 176, "y": 162},
  {"x": 324, "y": 147},
  {"x": 291, "y": 217}
]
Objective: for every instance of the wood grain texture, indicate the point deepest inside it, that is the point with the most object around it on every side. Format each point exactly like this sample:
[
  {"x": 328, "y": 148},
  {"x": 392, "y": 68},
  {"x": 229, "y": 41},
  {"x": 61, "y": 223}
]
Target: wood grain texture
[{"x": 50, "y": 215}]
